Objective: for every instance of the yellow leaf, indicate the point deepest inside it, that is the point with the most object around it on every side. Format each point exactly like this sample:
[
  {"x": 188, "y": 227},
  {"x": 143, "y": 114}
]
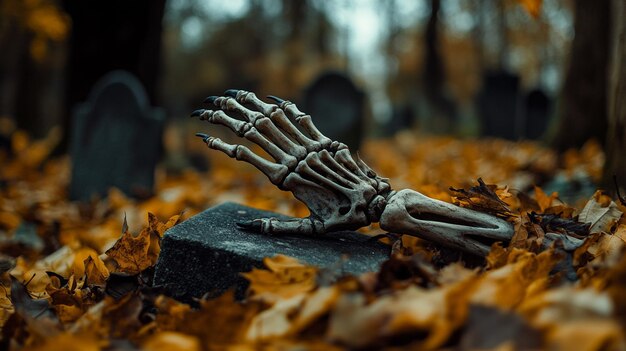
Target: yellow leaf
[
  {"x": 69, "y": 342},
  {"x": 290, "y": 316},
  {"x": 543, "y": 200},
  {"x": 286, "y": 277},
  {"x": 171, "y": 341},
  {"x": 133, "y": 254},
  {"x": 68, "y": 313}
]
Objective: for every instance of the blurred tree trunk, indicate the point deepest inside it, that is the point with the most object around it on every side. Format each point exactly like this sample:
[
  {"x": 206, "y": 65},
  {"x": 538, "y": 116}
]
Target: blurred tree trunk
[
  {"x": 31, "y": 65},
  {"x": 295, "y": 14},
  {"x": 108, "y": 35},
  {"x": 13, "y": 46},
  {"x": 583, "y": 111},
  {"x": 616, "y": 136},
  {"x": 441, "y": 108}
]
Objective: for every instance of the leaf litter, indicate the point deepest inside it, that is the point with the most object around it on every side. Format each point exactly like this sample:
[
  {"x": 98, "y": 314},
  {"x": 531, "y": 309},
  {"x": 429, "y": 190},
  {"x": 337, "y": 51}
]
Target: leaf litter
[{"x": 86, "y": 285}]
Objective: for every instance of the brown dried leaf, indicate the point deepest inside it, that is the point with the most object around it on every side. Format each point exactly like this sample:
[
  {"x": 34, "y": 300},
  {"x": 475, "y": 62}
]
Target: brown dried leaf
[
  {"x": 88, "y": 263},
  {"x": 133, "y": 254},
  {"x": 171, "y": 341},
  {"x": 69, "y": 342},
  {"x": 290, "y": 316},
  {"x": 219, "y": 322},
  {"x": 543, "y": 200},
  {"x": 601, "y": 212},
  {"x": 482, "y": 198},
  {"x": 285, "y": 277},
  {"x": 436, "y": 313}
]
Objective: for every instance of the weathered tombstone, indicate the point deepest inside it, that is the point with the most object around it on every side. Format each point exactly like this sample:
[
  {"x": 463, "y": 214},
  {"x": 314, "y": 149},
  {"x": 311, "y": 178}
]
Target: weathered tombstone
[
  {"x": 537, "y": 107},
  {"x": 207, "y": 253},
  {"x": 402, "y": 117},
  {"x": 116, "y": 139},
  {"x": 498, "y": 105},
  {"x": 337, "y": 107}
]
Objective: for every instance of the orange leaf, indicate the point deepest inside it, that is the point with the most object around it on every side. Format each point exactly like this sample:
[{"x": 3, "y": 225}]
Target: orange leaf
[
  {"x": 87, "y": 262},
  {"x": 172, "y": 341},
  {"x": 543, "y": 200},
  {"x": 133, "y": 254},
  {"x": 285, "y": 277}
]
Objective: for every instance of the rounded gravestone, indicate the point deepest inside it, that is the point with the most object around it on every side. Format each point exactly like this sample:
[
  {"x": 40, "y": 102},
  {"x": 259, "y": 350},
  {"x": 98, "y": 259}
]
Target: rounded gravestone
[
  {"x": 336, "y": 106},
  {"x": 115, "y": 140}
]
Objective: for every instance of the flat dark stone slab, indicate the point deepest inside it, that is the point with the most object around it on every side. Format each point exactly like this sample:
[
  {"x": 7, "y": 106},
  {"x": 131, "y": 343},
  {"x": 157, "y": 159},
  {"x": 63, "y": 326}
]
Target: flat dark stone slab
[{"x": 207, "y": 252}]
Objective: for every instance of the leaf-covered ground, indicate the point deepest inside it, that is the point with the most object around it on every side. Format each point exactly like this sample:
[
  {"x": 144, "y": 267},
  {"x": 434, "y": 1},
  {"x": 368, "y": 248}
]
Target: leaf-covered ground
[{"x": 77, "y": 276}]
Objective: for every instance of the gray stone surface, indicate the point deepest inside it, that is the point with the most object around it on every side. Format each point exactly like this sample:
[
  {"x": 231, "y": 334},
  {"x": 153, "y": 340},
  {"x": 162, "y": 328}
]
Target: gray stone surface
[
  {"x": 207, "y": 252},
  {"x": 115, "y": 139}
]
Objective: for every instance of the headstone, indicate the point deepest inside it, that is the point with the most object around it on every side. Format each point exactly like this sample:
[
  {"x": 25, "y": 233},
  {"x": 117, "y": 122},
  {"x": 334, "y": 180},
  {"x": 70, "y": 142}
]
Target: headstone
[
  {"x": 207, "y": 253},
  {"x": 402, "y": 117},
  {"x": 115, "y": 140},
  {"x": 498, "y": 105},
  {"x": 537, "y": 107},
  {"x": 337, "y": 108}
]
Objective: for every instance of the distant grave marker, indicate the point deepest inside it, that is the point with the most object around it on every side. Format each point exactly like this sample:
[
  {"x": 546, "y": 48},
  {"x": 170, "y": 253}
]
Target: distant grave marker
[
  {"x": 337, "y": 108},
  {"x": 115, "y": 140},
  {"x": 537, "y": 106},
  {"x": 498, "y": 105},
  {"x": 402, "y": 117}
]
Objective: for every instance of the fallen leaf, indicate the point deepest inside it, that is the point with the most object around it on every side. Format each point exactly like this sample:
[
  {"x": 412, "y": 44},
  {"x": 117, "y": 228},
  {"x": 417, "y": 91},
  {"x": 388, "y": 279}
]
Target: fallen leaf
[
  {"x": 285, "y": 277},
  {"x": 482, "y": 198},
  {"x": 87, "y": 263},
  {"x": 290, "y": 316},
  {"x": 600, "y": 212},
  {"x": 134, "y": 254},
  {"x": 69, "y": 342},
  {"x": 432, "y": 314},
  {"x": 25, "y": 304},
  {"x": 171, "y": 341},
  {"x": 543, "y": 200}
]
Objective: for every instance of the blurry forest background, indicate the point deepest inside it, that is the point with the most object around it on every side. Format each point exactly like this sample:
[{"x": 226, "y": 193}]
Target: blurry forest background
[{"x": 423, "y": 65}]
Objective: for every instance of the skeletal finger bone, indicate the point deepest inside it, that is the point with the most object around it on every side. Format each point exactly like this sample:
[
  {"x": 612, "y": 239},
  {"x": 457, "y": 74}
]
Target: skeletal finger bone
[
  {"x": 248, "y": 131},
  {"x": 275, "y": 172},
  {"x": 277, "y": 116},
  {"x": 306, "y": 122},
  {"x": 247, "y": 97},
  {"x": 304, "y": 226},
  {"x": 261, "y": 123},
  {"x": 231, "y": 104}
]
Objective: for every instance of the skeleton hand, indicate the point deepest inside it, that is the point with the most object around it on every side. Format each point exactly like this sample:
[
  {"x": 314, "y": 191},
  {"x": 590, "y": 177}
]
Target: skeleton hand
[{"x": 341, "y": 193}]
